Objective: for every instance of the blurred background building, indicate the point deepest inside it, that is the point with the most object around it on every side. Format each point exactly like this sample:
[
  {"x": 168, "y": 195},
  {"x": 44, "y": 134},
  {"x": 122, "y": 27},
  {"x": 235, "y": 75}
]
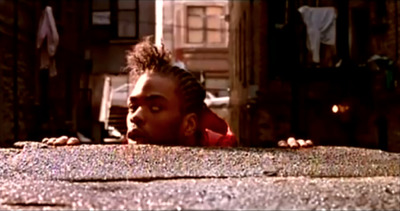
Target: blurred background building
[
  {"x": 197, "y": 33},
  {"x": 278, "y": 90},
  {"x": 256, "y": 52},
  {"x": 93, "y": 38}
]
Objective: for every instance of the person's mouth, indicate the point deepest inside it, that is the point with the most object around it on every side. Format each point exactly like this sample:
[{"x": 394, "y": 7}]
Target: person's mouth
[{"x": 137, "y": 135}]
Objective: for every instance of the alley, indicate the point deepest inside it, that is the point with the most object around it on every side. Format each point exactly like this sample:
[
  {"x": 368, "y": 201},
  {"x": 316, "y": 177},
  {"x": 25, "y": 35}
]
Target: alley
[{"x": 266, "y": 68}]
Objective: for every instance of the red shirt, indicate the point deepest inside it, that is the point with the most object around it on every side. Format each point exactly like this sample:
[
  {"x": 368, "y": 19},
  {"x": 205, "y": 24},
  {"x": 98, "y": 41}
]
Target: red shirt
[
  {"x": 216, "y": 131},
  {"x": 211, "y": 138}
]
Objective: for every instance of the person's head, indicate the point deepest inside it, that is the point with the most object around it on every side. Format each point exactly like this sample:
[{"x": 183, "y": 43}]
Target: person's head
[{"x": 166, "y": 102}]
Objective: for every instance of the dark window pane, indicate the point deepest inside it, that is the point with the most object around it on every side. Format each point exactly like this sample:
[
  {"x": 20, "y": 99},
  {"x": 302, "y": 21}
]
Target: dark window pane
[
  {"x": 126, "y": 24},
  {"x": 101, "y": 5},
  {"x": 127, "y": 4},
  {"x": 101, "y": 18}
]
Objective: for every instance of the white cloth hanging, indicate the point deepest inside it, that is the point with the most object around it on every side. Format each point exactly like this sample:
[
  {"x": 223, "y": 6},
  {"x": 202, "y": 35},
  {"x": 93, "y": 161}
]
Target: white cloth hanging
[
  {"x": 321, "y": 28},
  {"x": 47, "y": 29}
]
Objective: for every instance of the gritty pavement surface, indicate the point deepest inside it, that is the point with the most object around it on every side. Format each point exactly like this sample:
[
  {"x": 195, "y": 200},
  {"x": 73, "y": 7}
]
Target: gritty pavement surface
[{"x": 116, "y": 177}]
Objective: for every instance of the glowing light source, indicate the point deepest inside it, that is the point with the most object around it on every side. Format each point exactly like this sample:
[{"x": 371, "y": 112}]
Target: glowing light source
[
  {"x": 335, "y": 108},
  {"x": 340, "y": 108}
]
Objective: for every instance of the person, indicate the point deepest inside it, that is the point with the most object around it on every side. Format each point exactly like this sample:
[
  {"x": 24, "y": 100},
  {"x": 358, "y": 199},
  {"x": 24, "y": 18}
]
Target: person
[{"x": 166, "y": 105}]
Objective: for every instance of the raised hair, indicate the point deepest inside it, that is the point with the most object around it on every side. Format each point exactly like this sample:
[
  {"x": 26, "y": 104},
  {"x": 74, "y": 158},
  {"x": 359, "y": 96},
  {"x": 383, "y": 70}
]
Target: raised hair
[{"x": 146, "y": 57}]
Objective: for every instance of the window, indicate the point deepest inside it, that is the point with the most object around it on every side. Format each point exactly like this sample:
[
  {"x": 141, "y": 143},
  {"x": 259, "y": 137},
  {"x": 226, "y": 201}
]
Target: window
[
  {"x": 120, "y": 16},
  {"x": 205, "y": 24},
  {"x": 101, "y": 12},
  {"x": 126, "y": 18}
]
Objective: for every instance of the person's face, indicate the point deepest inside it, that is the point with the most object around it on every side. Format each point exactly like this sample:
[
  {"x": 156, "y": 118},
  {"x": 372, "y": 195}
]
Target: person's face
[{"x": 154, "y": 115}]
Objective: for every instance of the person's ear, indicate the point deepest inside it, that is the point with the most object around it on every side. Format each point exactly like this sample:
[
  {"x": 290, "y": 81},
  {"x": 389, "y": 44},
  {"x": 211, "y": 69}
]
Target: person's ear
[{"x": 189, "y": 125}]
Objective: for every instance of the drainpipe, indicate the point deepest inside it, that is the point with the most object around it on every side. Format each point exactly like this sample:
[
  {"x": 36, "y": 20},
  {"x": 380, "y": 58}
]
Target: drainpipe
[{"x": 15, "y": 72}]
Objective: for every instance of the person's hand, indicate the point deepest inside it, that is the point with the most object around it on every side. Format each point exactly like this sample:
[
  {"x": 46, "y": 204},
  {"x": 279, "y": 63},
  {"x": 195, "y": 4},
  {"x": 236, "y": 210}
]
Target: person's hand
[
  {"x": 291, "y": 142},
  {"x": 62, "y": 140}
]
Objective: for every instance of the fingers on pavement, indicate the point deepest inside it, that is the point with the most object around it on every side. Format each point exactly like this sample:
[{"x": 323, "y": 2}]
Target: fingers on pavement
[
  {"x": 73, "y": 141},
  {"x": 60, "y": 141},
  {"x": 295, "y": 143}
]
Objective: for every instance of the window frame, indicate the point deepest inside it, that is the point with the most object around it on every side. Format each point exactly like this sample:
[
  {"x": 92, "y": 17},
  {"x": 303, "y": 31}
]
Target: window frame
[
  {"x": 113, "y": 25},
  {"x": 205, "y": 42}
]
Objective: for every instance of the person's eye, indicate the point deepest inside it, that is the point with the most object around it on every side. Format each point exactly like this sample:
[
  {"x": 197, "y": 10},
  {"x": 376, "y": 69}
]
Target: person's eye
[
  {"x": 155, "y": 108},
  {"x": 132, "y": 107}
]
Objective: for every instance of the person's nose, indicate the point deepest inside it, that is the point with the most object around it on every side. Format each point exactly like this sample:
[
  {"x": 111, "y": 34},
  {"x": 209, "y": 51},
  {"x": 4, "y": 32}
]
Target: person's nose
[{"x": 137, "y": 117}]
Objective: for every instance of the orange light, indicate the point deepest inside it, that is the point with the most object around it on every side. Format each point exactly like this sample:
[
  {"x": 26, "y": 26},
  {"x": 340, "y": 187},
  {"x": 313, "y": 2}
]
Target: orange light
[
  {"x": 340, "y": 108},
  {"x": 335, "y": 108}
]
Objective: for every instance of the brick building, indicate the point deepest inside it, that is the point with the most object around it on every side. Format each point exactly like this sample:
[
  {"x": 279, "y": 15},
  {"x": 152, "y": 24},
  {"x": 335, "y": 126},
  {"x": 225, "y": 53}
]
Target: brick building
[
  {"x": 93, "y": 37},
  {"x": 278, "y": 91},
  {"x": 31, "y": 101}
]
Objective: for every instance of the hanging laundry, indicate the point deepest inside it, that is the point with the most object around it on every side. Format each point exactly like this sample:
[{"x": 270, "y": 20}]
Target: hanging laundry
[
  {"x": 47, "y": 29},
  {"x": 321, "y": 28}
]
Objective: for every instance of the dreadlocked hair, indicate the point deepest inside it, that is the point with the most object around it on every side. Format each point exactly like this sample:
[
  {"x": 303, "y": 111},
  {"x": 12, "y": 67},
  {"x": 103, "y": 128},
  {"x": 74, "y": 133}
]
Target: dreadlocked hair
[{"x": 145, "y": 57}]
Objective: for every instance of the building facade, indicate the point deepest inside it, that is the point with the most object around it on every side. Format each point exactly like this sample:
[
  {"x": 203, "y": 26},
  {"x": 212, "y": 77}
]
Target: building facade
[
  {"x": 278, "y": 90},
  {"x": 33, "y": 103},
  {"x": 115, "y": 26},
  {"x": 93, "y": 38},
  {"x": 197, "y": 33}
]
